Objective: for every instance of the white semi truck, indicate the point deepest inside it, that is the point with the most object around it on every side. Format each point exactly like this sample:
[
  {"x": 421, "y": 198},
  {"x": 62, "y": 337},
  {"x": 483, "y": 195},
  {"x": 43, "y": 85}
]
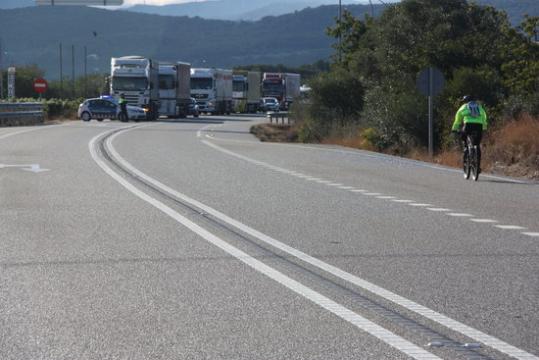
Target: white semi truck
[
  {"x": 174, "y": 89},
  {"x": 283, "y": 86},
  {"x": 137, "y": 78},
  {"x": 212, "y": 89},
  {"x": 246, "y": 91}
]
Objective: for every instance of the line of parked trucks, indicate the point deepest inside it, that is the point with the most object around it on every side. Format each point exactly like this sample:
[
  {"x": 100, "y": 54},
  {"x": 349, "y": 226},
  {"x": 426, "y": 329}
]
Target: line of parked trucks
[{"x": 168, "y": 89}]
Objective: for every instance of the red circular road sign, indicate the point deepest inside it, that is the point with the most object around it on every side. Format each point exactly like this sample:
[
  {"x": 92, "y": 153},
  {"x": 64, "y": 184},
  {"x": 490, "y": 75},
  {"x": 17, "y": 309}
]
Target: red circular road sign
[{"x": 40, "y": 85}]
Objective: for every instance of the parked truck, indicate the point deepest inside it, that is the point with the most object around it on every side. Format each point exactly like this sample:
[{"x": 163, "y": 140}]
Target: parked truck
[
  {"x": 212, "y": 89},
  {"x": 137, "y": 78},
  {"x": 246, "y": 91},
  {"x": 174, "y": 89},
  {"x": 285, "y": 87}
]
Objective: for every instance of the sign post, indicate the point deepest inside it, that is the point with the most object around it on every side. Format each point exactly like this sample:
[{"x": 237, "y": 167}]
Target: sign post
[
  {"x": 430, "y": 82},
  {"x": 11, "y": 71}
]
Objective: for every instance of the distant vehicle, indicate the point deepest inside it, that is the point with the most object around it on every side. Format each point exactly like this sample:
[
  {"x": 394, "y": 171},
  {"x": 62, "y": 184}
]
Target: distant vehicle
[
  {"x": 285, "y": 87},
  {"x": 212, "y": 88},
  {"x": 269, "y": 104},
  {"x": 174, "y": 89},
  {"x": 137, "y": 78},
  {"x": 193, "y": 108},
  {"x": 107, "y": 108},
  {"x": 246, "y": 91}
]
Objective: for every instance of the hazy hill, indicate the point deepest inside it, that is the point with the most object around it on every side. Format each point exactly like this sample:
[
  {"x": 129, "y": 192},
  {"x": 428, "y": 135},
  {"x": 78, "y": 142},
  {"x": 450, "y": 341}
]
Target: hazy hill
[
  {"x": 234, "y": 9},
  {"x": 256, "y": 9},
  {"x": 33, "y": 35}
]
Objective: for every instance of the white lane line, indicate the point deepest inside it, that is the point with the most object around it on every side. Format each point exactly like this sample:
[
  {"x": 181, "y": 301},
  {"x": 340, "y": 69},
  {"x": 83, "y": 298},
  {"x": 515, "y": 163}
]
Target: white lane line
[
  {"x": 460, "y": 215},
  {"x": 384, "y": 197},
  {"x": 484, "y": 221},
  {"x": 346, "y": 187},
  {"x": 403, "y": 201},
  {"x": 334, "y": 184},
  {"x": 419, "y": 204},
  {"x": 199, "y": 132},
  {"x": 371, "y": 193},
  {"x": 532, "y": 234},
  {"x": 36, "y": 128},
  {"x": 510, "y": 227},
  {"x": 337, "y": 309},
  {"x": 359, "y": 191},
  {"x": 435, "y": 209},
  {"x": 405, "y": 303},
  {"x": 312, "y": 179}
]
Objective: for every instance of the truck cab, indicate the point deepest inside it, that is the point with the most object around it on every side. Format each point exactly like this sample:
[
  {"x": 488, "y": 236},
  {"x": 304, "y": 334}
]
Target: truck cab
[{"x": 137, "y": 78}]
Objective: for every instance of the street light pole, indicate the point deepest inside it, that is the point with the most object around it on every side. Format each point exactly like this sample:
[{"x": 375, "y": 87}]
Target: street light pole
[{"x": 340, "y": 31}]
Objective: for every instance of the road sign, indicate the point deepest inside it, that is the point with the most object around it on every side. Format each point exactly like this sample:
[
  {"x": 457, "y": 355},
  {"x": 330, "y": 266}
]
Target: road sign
[
  {"x": 40, "y": 85},
  {"x": 430, "y": 82},
  {"x": 11, "y": 82},
  {"x": 430, "y": 77}
]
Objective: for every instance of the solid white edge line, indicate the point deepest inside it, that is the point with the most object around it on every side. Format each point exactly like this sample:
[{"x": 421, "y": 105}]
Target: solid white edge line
[
  {"x": 410, "y": 305},
  {"x": 39, "y": 127},
  {"x": 337, "y": 309},
  {"x": 532, "y": 234}
]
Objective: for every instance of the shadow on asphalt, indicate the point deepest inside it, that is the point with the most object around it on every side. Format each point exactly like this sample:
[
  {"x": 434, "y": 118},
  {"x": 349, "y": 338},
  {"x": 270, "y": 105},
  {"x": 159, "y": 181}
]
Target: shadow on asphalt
[{"x": 509, "y": 182}]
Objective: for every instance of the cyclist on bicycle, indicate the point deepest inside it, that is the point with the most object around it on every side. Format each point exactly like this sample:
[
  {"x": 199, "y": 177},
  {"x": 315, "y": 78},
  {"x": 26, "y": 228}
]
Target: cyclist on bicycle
[{"x": 471, "y": 120}]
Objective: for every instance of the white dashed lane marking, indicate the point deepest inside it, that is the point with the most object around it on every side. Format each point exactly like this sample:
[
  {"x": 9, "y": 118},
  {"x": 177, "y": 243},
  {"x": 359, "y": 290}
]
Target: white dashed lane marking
[
  {"x": 510, "y": 227},
  {"x": 378, "y": 195},
  {"x": 484, "y": 221}
]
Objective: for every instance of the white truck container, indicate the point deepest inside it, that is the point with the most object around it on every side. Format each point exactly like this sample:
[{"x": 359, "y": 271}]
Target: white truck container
[
  {"x": 283, "y": 86},
  {"x": 174, "y": 89},
  {"x": 246, "y": 86},
  {"x": 212, "y": 89},
  {"x": 137, "y": 78}
]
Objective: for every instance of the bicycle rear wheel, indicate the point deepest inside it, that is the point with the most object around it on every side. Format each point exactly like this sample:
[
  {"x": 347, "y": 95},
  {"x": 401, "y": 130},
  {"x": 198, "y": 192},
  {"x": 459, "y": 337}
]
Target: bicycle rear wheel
[
  {"x": 474, "y": 164},
  {"x": 466, "y": 163}
]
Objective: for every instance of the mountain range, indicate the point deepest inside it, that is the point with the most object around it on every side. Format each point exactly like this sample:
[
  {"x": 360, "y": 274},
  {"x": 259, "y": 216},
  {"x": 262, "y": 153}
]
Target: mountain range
[{"x": 32, "y": 35}]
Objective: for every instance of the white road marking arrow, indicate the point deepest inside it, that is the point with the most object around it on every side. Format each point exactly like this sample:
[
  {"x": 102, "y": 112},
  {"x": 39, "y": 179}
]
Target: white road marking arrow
[{"x": 35, "y": 168}]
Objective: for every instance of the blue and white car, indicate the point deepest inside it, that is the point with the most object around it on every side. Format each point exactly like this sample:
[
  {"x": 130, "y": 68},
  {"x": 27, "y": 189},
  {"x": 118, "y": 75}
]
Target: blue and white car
[{"x": 107, "y": 108}]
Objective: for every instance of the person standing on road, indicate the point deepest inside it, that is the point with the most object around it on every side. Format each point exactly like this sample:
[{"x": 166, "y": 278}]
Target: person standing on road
[
  {"x": 123, "y": 108},
  {"x": 471, "y": 120}
]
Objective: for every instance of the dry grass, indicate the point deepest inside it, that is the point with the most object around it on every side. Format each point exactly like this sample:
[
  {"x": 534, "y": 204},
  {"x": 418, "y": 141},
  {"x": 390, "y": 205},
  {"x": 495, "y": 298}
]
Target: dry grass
[
  {"x": 512, "y": 149},
  {"x": 275, "y": 133}
]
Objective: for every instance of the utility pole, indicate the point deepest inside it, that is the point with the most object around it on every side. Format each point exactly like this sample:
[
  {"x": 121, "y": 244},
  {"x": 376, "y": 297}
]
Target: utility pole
[
  {"x": 1, "y": 71},
  {"x": 85, "y": 71},
  {"x": 61, "y": 73},
  {"x": 340, "y": 31},
  {"x": 73, "y": 71},
  {"x": 372, "y": 8}
]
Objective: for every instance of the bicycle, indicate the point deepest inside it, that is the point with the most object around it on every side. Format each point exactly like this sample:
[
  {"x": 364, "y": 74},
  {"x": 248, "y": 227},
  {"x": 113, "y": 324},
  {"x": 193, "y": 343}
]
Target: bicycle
[{"x": 471, "y": 163}]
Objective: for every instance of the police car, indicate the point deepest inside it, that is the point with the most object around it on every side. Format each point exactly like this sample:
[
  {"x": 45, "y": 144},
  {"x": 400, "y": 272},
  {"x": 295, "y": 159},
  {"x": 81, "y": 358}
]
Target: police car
[{"x": 106, "y": 107}]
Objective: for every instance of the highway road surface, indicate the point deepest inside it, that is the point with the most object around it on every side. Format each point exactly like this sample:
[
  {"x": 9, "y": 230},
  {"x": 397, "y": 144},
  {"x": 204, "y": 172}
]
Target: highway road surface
[{"x": 193, "y": 240}]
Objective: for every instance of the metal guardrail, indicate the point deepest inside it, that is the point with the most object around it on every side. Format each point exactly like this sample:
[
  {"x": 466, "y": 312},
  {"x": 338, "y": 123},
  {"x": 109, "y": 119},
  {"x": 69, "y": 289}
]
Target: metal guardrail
[
  {"x": 278, "y": 115},
  {"x": 20, "y": 112}
]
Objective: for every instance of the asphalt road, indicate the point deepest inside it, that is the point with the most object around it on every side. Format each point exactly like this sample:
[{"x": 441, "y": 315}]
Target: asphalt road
[{"x": 192, "y": 240}]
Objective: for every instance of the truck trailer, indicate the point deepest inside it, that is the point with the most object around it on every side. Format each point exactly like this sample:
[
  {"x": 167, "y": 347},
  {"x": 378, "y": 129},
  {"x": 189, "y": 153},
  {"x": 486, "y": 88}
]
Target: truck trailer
[
  {"x": 174, "y": 89},
  {"x": 246, "y": 91},
  {"x": 137, "y": 78},
  {"x": 283, "y": 86},
  {"x": 212, "y": 89}
]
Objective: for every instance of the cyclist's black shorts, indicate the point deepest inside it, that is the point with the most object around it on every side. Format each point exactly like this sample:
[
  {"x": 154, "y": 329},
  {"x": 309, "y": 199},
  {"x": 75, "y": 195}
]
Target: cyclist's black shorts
[{"x": 475, "y": 131}]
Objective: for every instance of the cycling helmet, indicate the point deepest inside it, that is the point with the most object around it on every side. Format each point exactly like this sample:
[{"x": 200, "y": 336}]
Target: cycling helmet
[{"x": 467, "y": 98}]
